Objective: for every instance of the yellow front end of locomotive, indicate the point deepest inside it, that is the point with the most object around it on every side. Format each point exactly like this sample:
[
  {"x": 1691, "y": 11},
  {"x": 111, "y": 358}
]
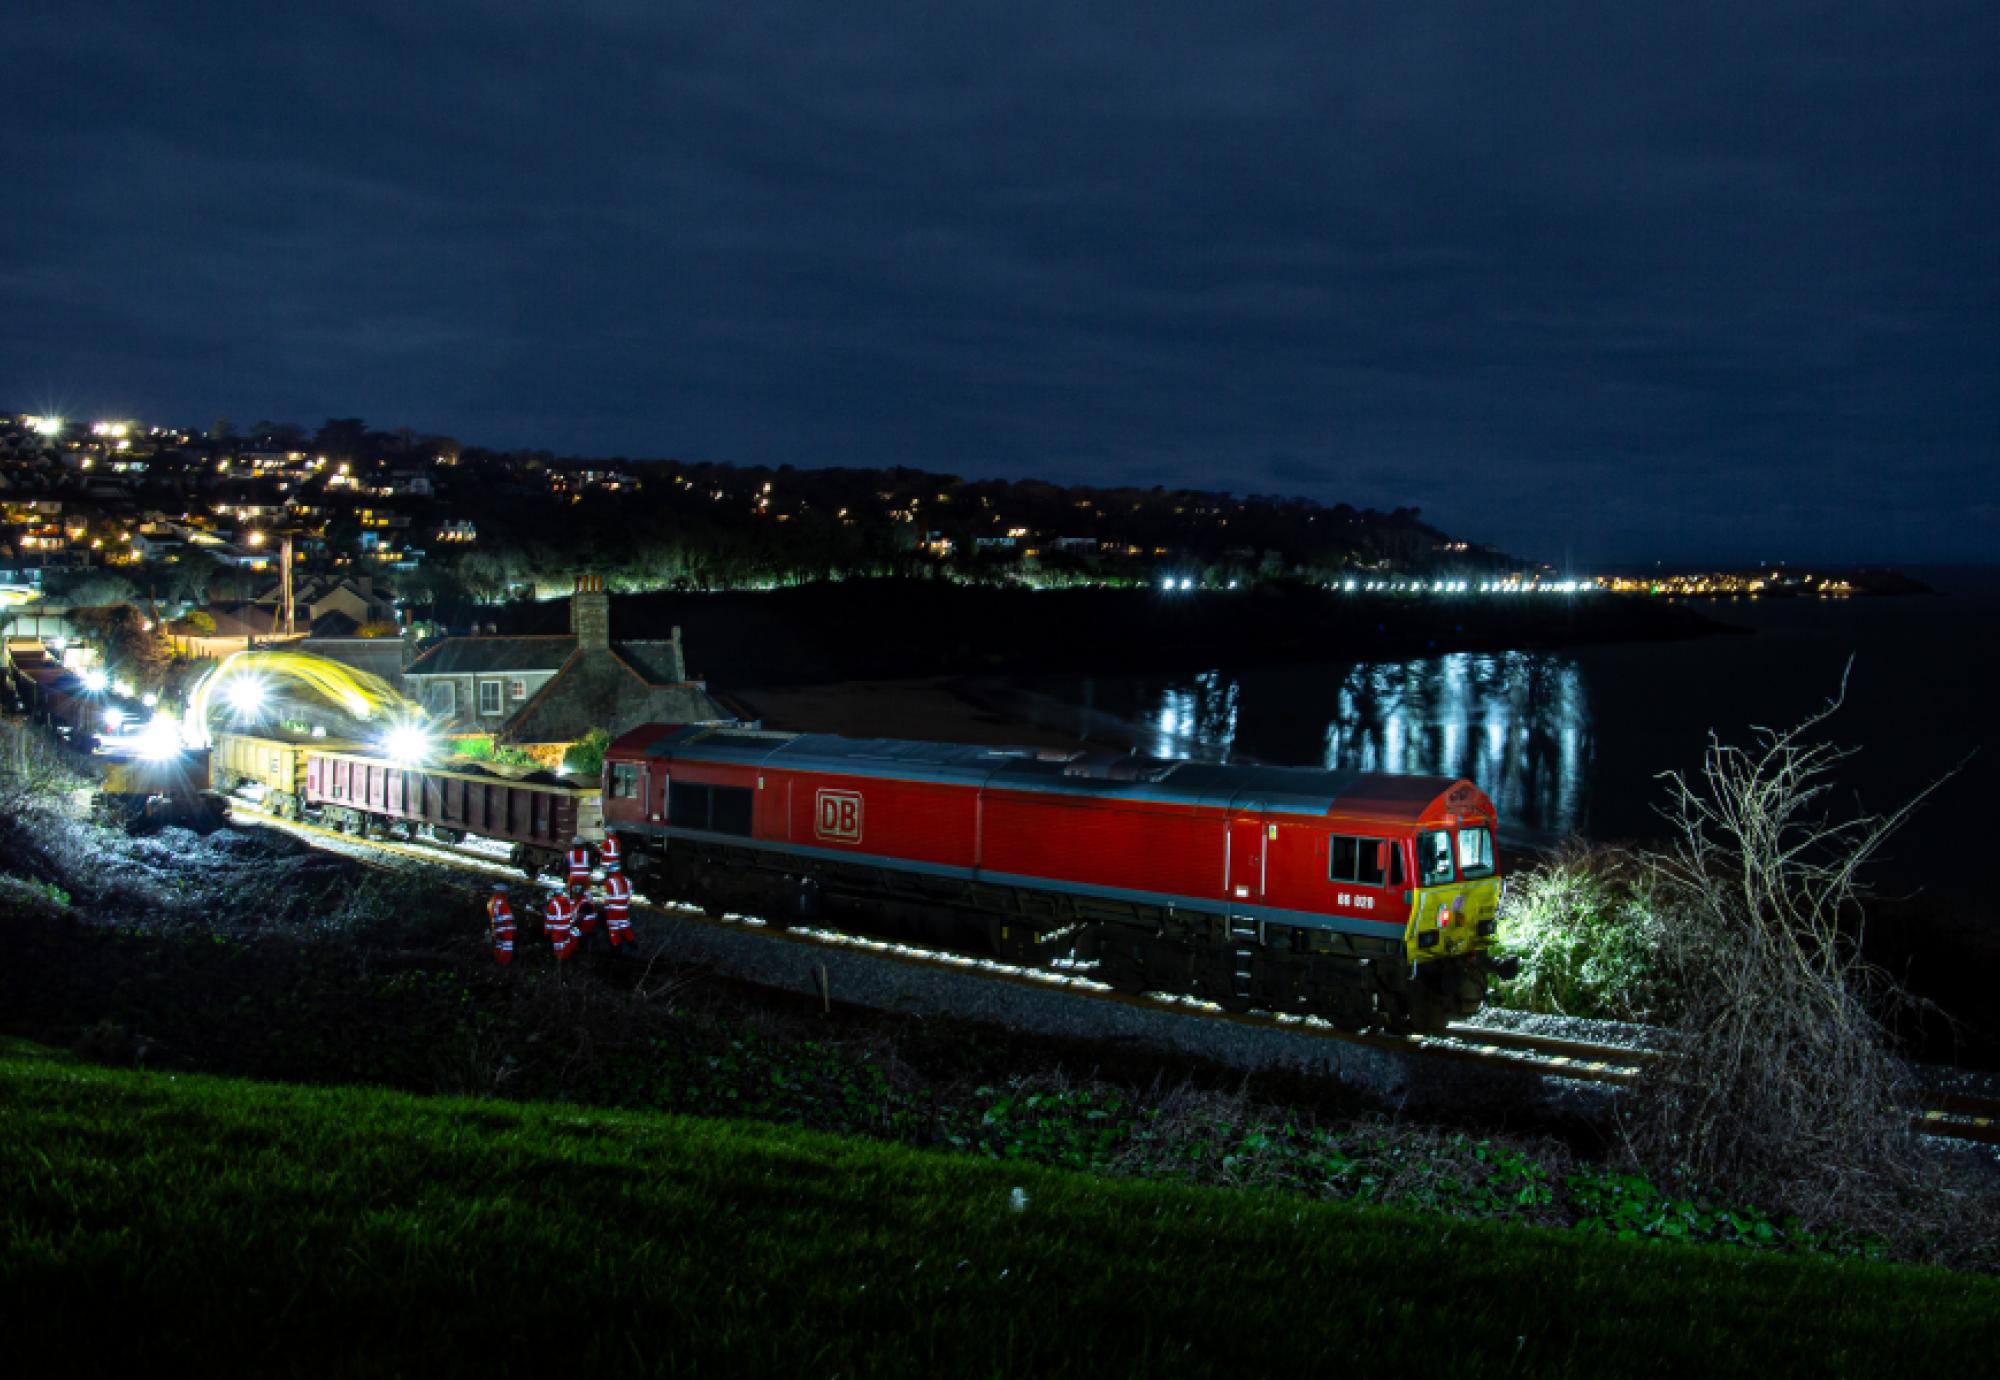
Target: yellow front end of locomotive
[{"x": 1454, "y": 920}]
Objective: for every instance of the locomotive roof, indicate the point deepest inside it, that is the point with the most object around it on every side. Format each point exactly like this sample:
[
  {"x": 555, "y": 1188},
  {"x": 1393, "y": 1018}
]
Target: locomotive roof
[{"x": 1277, "y": 790}]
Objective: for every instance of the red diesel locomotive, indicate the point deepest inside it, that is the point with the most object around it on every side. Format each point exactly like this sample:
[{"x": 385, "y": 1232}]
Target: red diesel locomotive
[{"x": 1366, "y": 898}]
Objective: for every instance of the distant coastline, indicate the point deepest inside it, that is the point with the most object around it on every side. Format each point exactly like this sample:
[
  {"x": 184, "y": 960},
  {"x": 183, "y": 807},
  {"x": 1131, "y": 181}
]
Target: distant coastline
[
  {"x": 1767, "y": 582},
  {"x": 908, "y": 629}
]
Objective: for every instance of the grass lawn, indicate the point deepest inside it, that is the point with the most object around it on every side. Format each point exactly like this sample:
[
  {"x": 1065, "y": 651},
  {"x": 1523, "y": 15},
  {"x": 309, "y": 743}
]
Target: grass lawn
[{"x": 271, "y": 1229}]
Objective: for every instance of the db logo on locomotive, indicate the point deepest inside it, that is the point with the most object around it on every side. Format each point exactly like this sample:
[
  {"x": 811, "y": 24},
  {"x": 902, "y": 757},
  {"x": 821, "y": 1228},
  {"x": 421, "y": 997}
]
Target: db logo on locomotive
[{"x": 839, "y": 816}]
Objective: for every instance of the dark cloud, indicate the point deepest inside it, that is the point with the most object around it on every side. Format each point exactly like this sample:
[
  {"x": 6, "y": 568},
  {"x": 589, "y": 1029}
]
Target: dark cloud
[{"x": 1584, "y": 280}]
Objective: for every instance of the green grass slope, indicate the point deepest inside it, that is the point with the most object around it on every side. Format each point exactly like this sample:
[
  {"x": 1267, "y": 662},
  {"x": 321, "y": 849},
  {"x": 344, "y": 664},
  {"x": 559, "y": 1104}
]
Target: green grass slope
[{"x": 152, "y": 1221}]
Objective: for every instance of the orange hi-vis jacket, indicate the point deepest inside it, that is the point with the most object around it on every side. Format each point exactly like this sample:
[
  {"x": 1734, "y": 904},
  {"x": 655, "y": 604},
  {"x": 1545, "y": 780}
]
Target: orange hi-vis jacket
[
  {"x": 500, "y": 919},
  {"x": 579, "y": 863},
  {"x": 612, "y": 853},
  {"x": 559, "y": 923},
  {"x": 618, "y": 908}
]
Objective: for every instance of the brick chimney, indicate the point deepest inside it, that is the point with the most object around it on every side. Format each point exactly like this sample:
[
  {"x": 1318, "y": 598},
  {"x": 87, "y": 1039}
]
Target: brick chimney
[{"x": 590, "y": 614}]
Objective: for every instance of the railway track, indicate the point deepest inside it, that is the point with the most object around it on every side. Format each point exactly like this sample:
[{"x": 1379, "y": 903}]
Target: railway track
[{"x": 1954, "y": 1116}]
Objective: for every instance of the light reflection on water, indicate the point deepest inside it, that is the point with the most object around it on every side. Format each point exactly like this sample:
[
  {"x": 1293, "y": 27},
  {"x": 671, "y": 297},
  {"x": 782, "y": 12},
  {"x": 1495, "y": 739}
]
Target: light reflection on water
[
  {"x": 1202, "y": 715},
  {"x": 1517, "y": 723}
]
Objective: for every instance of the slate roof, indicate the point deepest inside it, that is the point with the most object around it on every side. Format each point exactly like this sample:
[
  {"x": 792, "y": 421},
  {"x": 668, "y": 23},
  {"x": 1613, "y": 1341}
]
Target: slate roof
[
  {"x": 603, "y": 690},
  {"x": 231, "y": 620},
  {"x": 475, "y": 656},
  {"x": 658, "y": 662},
  {"x": 381, "y": 656}
]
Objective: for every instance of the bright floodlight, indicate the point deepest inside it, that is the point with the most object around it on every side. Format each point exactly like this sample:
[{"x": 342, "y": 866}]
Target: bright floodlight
[
  {"x": 160, "y": 739},
  {"x": 407, "y": 743},
  {"x": 48, "y": 426},
  {"x": 95, "y": 681},
  {"x": 246, "y": 695},
  {"x": 1187, "y": 584},
  {"x": 149, "y": 699}
]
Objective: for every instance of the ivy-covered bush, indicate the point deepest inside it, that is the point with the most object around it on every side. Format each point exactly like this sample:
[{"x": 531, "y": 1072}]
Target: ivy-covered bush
[
  {"x": 1586, "y": 928},
  {"x": 586, "y": 756}
]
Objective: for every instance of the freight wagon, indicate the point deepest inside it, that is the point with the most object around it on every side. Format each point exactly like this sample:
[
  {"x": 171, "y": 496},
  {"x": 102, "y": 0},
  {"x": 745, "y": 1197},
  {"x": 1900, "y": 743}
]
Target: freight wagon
[
  {"x": 369, "y": 794},
  {"x": 1368, "y": 898},
  {"x": 271, "y": 758},
  {"x": 347, "y": 787}
]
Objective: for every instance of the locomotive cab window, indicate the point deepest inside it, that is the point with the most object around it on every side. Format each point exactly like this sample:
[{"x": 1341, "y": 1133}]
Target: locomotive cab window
[
  {"x": 1434, "y": 858},
  {"x": 1370, "y": 862},
  {"x": 1475, "y": 852},
  {"x": 624, "y": 781}
]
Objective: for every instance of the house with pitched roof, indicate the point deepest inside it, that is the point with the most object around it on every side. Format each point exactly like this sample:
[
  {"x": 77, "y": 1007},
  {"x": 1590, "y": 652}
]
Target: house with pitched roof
[
  {"x": 544, "y": 693},
  {"x": 230, "y": 628}
]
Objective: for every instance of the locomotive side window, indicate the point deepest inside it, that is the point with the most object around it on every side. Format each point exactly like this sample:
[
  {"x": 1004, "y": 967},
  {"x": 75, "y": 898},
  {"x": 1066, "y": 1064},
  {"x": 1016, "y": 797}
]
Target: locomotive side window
[
  {"x": 717, "y": 809},
  {"x": 1362, "y": 860},
  {"x": 730, "y": 811},
  {"x": 624, "y": 781},
  {"x": 1434, "y": 858},
  {"x": 687, "y": 805},
  {"x": 1475, "y": 852}
]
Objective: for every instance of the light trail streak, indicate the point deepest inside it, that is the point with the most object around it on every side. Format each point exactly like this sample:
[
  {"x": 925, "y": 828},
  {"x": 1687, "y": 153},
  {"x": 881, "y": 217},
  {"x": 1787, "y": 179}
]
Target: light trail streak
[{"x": 251, "y": 679}]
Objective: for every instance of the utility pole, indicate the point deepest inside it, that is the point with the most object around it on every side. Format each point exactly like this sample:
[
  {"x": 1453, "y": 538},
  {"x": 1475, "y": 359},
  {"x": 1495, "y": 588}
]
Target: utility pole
[{"x": 285, "y": 580}]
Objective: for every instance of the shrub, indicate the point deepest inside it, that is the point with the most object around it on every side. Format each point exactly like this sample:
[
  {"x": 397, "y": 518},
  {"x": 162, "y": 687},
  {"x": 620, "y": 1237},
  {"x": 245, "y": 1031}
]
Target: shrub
[
  {"x": 586, "y": 755},
  {"x": 1585, "y": 928},
  {"x": 1781, "y": 1082}
]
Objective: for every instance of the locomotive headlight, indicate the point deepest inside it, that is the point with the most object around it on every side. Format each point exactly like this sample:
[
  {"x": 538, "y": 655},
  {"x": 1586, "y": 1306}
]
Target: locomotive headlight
[{"x": 160, "y": 740}]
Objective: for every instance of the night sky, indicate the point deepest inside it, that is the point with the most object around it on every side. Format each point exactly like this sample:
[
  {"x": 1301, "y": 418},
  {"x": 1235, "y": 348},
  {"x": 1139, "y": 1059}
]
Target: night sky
[{"x": 1595, "y": 282}]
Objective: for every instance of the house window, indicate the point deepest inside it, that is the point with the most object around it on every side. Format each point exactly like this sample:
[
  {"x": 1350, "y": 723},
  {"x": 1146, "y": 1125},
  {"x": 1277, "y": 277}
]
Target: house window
[
  {"x": 443, "y": 698},
  {"x": 517, "y": 689},
  {"x": 489, "y": 697}
]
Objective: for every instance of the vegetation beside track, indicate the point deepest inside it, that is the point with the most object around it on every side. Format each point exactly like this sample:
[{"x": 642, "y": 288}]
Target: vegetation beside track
[
  {"x": 318, "y": 1007},
  {"x": 1585, "y": 926},
  {"x": 282, "y": 1229},
  {"x": 245, "y": 953}
]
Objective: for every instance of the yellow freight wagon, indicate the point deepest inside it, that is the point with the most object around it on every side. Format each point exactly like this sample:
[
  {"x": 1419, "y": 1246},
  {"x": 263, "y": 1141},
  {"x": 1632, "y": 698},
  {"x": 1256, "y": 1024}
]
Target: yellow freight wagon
[{"x": 271, "y": 759}]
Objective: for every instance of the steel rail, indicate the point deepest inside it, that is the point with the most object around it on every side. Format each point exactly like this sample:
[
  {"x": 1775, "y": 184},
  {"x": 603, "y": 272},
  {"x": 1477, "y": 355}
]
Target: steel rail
[
  {"x": 1950, "y": 1115},
  {"x": 447, "y": 855}
]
